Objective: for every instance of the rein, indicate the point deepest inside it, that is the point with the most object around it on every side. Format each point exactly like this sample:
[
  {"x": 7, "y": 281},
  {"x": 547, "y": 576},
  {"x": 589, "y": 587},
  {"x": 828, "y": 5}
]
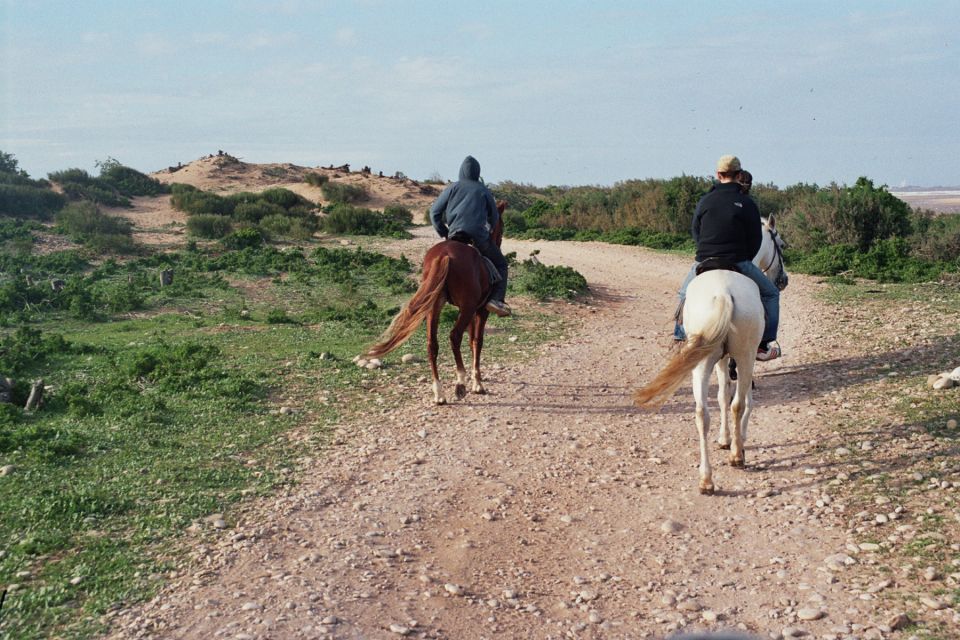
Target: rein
[{"x": 781, "y": 280}]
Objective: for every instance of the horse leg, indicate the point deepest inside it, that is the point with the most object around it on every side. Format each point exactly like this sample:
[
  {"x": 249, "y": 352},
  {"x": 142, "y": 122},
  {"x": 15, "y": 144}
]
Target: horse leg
[
  {"x": 741, "y": 407},
  {"x": 701, "y": 379},
  {"x": 433, "y": 348},
  {"x": 456, "y": 339},
  {"x": 723, "y": 399},
  {"x": 476, "y": 346}
]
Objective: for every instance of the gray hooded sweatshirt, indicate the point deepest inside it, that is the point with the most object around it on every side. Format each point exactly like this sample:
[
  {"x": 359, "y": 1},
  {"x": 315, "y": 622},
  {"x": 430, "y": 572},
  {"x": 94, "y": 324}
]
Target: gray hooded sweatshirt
[{"x": 466, "y": 205}]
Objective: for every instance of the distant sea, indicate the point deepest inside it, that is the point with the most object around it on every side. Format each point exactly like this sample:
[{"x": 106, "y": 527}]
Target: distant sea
[{"x": 940, "y": 199}]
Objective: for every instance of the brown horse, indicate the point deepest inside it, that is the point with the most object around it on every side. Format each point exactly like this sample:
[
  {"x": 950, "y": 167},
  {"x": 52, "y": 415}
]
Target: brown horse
[{"x": 453, "y": 272}]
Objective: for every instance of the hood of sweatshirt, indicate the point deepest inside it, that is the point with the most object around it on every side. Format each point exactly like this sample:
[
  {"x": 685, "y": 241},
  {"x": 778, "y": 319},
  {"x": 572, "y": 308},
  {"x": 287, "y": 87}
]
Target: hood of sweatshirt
[{"x": 470, "y": 169}]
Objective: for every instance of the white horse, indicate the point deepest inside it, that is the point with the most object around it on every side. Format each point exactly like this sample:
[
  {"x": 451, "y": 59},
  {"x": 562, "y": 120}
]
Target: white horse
[{"x": 723, "y": 318}]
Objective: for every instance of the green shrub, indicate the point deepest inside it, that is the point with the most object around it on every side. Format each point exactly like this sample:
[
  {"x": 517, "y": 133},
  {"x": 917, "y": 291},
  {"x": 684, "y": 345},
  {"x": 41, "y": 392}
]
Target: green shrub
[
  {"x": 282, "y": 197},
  {"x": 544, "y": 282},
  {"x": 316, "y": 179},
  {"x": 398, "y": 213},
  {"x": 208, "y": 225},
  {"x": 77, "y": 184},
  {"x": 191, "y": 200},
  {"x": 86, "y": 224},
  {"x": 254, "y": 212},
  {"x": 247, "y": 237},
  {"x": 344, "y": 218},
  {"x": 339, "y": 192},
  {"x": 130, "y": 182},
  {"x": 27, "y": 201},
  {"x": 282, "y": 226}
]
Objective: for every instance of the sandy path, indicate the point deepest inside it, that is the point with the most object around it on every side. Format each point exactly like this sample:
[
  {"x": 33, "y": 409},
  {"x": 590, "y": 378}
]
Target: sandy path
[{"x": 549, "y": 508}]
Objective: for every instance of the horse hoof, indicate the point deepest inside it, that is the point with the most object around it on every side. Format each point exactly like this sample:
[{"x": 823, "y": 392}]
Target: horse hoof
[
  {"x": 723, "y": 445},
  {"x": 441, "y": 401},
  {"x": 461, "y": 391},
  {"x": 479, "y": 390},
  {"x": 706, "y": 490},
  {"x": 737, "y": 462}
]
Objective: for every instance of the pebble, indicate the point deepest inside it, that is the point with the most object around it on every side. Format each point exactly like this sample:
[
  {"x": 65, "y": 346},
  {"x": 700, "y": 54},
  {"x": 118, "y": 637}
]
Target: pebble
[
  {"x": 408, "y": 358},
  {"x": 793, "y": 632},
  {"x": 76, "y": 580},
  {"x": 933, "y": 603},
  {"x": 251, "y": 606},
  {"x": 595, "y": 617},
  {"x": 709, "y": 616},
  {"x": 453, "y": 589},
  {"x": 689, "y": 605},
  {"x": 399, "y": 629},
  {"x": 6, "y": 470},
  {"x": 810, "y": 614},
  {"x": 671, "y": 526}
]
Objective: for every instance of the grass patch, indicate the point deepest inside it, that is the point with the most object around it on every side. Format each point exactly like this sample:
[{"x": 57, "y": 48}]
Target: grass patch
[{"x": 160, "y": 408}]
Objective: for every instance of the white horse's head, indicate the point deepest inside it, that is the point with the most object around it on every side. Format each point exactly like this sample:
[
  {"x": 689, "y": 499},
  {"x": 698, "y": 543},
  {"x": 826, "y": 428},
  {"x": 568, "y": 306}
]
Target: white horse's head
[{"x": 770, "y": 257}]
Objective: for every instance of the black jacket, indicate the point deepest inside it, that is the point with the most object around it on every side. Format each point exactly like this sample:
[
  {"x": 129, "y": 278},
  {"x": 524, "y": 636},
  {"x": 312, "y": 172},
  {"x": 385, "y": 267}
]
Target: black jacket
[{"x": 727, "y": 225}]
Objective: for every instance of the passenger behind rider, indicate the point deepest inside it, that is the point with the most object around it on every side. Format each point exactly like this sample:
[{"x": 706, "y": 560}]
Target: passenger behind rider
[
  {"x": 726, "y": 226},
  {"x": 467, "y": 208}
]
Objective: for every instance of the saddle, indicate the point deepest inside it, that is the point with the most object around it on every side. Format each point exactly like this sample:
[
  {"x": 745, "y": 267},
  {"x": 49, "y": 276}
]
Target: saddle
[
  {"x": 492, "y": 272},
  {"x": 714, "y": 264}
]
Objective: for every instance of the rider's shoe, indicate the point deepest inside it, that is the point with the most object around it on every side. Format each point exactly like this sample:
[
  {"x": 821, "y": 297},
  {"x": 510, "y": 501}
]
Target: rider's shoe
[
  {"x": 772, "y": 352},
  {"x": 502, "y": 309}
]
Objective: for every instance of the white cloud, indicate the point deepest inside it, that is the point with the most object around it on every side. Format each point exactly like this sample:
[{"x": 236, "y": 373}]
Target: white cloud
[
  {"x": 152, "y": 44},
  {"x": 345, "y": 36}
]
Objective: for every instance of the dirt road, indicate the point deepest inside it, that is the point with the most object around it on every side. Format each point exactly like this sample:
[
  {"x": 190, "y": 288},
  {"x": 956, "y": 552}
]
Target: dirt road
[{"x": 550, "y": 508}]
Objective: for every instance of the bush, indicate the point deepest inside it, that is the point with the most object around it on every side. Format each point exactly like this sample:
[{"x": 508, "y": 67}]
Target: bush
[
  {"x": 254, "y": 212},
  {"x": 398, "y": 213},
  {"x": 194, "y": 201},
  {"x": 77, "y": 184},
  {"x": 26, "y": 201},
  {"x": 316, "y": 179},
  {"x": 282, "y": 197},
  {"x": 243, "y": 238},
  {"x": 362, "y": 222},
  {"x": 339, "y": 192},
  {"x": 287, "y": 227},
  {"x": 545, "y": 282},
  {"x": 208, "y": 225},
  {"x": 130, "y": 182},
  {"x": 86, "y": 224}
]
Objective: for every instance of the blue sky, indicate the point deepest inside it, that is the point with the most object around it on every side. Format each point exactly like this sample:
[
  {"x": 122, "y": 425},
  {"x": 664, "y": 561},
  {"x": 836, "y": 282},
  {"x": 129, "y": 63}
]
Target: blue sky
[{"x": 563, "y": 93}]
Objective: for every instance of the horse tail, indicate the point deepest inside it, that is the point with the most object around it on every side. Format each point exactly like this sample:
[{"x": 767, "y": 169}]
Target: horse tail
[
  {"x": 413, "y": 313},
  {"x": 697, "y": 347}
]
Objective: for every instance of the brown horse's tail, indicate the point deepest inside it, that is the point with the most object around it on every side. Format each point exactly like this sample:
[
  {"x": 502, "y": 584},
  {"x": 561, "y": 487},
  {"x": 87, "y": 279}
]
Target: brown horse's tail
[
  {"x": 413, "y": 313},
  {"x": 697, "y": 347}
]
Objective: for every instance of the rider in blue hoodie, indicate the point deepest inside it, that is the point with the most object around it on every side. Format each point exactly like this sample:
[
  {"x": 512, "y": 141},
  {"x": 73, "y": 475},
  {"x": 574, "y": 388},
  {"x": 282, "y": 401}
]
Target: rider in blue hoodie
[{"x": 467, "y": 207}]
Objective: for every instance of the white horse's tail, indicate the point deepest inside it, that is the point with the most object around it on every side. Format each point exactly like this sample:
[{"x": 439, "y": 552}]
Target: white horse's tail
[{"x": 697, "y": 347}]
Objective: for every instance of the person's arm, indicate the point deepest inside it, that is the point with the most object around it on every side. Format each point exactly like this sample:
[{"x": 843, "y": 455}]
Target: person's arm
[
  {"x": 695, "y": 225},
  {"x": 493, "y": 215},
  {"x": 436, "y": 213}
]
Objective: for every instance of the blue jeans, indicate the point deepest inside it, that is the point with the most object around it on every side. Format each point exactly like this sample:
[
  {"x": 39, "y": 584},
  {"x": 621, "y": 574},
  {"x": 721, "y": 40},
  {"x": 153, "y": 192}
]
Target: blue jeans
[
  {"x": 489, "y": 249},
  {"x": 769, "y": 298}
]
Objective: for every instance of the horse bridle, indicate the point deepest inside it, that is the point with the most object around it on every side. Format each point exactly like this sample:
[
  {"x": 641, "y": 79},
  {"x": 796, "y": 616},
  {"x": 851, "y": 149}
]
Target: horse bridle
[{"x": 780, "y": 282}]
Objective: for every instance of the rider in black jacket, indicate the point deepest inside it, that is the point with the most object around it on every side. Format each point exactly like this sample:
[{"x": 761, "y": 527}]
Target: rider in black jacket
[{"x": 726, "y": 226}]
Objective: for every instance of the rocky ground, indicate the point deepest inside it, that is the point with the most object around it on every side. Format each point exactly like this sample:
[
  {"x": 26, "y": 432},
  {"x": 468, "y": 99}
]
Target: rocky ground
[{"x": 553, "y": 508}]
